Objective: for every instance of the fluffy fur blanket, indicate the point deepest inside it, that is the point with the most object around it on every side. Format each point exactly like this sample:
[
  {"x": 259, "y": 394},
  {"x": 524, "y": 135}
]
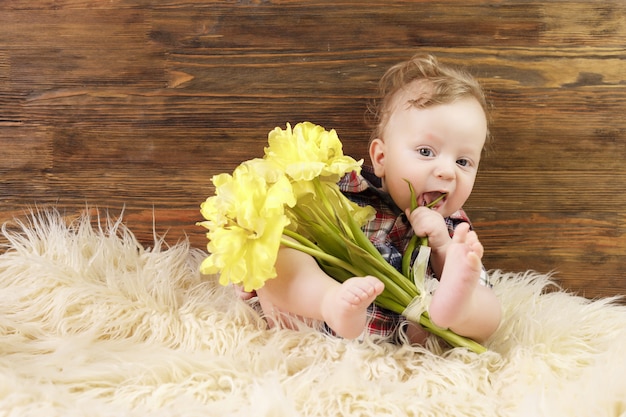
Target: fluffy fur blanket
[{"x": 94, "y": 324}]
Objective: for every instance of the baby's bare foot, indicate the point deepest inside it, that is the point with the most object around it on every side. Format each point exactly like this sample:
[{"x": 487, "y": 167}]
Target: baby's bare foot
[
  {"x": 459, "y": 279},
  {"x": 345, "y": 308}
]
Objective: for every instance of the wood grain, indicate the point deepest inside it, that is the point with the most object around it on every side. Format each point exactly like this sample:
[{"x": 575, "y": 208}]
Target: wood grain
[{"x": 134, "y": 105}]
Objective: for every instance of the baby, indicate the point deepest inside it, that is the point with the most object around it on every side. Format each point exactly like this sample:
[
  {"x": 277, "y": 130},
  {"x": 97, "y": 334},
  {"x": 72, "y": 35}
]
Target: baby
[{"x": 430, "y": 129}]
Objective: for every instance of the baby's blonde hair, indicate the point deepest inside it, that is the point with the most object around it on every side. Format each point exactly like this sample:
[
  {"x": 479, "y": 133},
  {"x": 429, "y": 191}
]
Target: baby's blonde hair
[{"x": 444, "y": 84}]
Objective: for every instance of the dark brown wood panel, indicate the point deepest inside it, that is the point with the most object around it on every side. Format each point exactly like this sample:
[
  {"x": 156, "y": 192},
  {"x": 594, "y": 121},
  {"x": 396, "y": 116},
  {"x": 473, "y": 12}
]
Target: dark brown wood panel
[{"x": 134, "y": 105}]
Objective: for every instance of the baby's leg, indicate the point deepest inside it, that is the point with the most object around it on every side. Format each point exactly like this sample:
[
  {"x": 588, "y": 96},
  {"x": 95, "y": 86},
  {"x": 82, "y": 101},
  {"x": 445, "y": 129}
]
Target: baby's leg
[
  {"x": 344, "y": 308},
  {"x": 303, "y": 290},
  {"x": 453, "y": 299}
]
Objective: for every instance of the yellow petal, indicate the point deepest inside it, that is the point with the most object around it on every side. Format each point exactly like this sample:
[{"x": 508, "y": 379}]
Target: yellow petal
[{"x": 308, "y": 151}]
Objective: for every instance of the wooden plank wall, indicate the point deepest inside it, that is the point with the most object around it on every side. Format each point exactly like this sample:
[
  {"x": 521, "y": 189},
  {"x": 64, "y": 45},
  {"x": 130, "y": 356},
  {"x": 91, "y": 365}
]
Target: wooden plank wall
[{"x": 135, "y": 104}]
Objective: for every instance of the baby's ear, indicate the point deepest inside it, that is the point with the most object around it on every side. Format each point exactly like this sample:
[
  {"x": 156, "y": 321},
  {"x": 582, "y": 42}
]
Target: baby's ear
[{"x": 377, "y": 156}]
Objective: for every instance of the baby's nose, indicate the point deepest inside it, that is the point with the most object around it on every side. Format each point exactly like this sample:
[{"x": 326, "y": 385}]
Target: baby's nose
[{"x": 445, "y": 170}]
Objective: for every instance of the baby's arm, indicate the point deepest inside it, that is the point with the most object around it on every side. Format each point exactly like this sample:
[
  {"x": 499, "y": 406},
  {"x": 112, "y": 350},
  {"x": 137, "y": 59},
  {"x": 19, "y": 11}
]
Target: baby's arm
[{"x": 429, "y": 223}]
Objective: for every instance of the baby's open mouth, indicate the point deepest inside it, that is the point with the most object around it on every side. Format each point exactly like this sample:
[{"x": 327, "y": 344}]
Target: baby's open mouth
[{"x": 432, "y": 198}]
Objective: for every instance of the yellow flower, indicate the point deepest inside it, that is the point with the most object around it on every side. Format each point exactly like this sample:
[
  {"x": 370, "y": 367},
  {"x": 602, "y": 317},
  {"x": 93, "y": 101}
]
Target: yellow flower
[
  {"x": 242, "y": 257},
  {"x": 246, "y": 219},
  {"x": 309, "y": 151},
  {"x": 214, "y": 216}
]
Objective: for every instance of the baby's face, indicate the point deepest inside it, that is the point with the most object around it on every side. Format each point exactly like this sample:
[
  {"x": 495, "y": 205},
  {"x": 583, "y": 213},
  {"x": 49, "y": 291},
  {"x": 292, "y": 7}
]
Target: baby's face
[{"x": 437, "y": 149}]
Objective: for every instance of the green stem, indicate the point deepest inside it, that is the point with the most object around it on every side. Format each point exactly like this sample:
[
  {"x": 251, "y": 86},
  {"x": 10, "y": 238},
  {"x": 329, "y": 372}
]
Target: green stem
[
  {"x": 360, "y": 240},
  {"x": 451, "y": 337},
  {"x": 299, "y": 238},
  {"x": 408, "y": 254},
  {"x": 357, "y": 256},
  {"x": 317, "y": 253}
]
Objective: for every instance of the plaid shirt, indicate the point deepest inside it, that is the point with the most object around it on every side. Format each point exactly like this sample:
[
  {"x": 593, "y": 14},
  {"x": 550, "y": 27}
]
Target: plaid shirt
[{"x": 390, "y": 232}]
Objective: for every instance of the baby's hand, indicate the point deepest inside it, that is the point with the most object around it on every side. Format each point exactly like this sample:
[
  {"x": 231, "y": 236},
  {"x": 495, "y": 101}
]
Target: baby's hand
[{"x": 429, "y": 223}]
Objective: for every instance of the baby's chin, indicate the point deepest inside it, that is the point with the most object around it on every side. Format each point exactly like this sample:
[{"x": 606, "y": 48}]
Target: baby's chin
[{"x": 445, "y": 212}]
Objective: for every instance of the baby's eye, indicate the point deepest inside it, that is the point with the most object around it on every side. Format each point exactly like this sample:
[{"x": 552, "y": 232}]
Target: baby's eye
[
  {"x": 425, "y": 152},
  {"x": 463, "y": 162}
]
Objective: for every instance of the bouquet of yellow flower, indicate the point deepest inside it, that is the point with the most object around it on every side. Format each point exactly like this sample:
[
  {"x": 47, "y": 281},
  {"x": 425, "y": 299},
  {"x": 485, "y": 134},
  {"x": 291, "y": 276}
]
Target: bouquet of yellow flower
[{"x": 290, "y": 197}]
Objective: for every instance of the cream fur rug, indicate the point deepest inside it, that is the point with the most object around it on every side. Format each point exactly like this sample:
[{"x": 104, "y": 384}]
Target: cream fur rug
[{"x": 93, "y": 324}]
